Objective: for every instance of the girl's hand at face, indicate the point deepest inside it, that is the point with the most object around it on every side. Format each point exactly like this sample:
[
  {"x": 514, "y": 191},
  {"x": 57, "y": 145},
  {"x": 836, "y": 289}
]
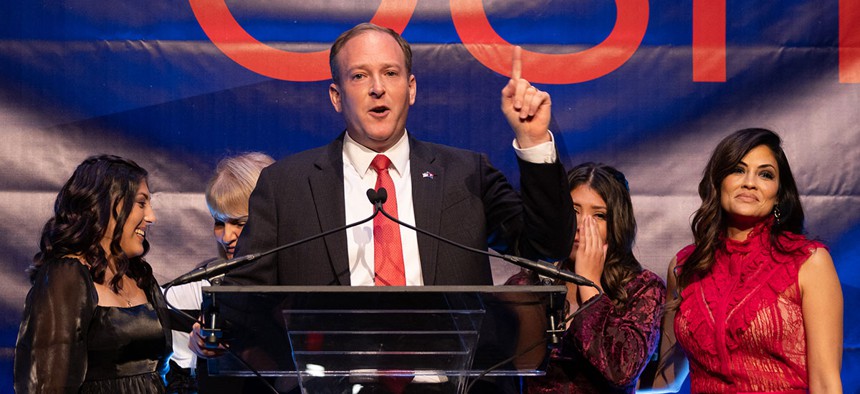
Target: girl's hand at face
[{"x": 590, "y": 256}]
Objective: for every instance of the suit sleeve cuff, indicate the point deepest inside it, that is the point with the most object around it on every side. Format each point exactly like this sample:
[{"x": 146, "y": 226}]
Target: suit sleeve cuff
[{"x": 539, "y": 154}]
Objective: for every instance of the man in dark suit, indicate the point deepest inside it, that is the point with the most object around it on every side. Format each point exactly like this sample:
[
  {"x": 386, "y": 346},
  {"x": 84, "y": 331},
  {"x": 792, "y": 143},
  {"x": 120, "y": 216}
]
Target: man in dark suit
[
  {"x": 451, "y": 192},
  {"x": 447, "y": 191}
]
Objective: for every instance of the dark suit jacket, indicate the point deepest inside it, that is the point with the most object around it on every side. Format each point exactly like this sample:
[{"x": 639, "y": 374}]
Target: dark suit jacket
[{"x": 466, "y": 200}]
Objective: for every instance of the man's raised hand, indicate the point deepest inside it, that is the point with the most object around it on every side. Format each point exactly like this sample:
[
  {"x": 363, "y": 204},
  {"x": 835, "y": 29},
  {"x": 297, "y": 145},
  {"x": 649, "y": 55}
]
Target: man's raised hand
[{"x": 527, "y": 109}]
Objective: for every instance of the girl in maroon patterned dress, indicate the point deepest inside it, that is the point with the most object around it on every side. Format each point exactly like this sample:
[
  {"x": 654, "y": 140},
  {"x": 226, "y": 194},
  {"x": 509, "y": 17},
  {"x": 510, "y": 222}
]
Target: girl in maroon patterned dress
[
  {"x": 760, "y": 307},
  {"x": 607, "y": 344}
]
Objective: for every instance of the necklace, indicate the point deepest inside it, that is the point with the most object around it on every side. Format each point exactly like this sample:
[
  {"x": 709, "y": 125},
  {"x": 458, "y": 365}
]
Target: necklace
[
  {"x": 127, "y": 300},
  {"x": 124, "y": 291}
]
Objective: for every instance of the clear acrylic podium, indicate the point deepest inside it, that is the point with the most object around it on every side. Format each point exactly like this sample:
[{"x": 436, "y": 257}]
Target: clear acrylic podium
[{"x": 326, "y": 337}]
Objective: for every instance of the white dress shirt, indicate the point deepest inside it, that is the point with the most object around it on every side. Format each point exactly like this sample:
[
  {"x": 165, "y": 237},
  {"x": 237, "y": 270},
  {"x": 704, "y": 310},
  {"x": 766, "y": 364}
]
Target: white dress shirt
[{"x": 358, "y": 176}]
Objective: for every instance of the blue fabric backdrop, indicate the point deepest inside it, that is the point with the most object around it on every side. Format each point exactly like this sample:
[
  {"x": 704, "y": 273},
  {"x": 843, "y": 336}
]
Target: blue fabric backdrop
[{"x": 144, "y": 80}]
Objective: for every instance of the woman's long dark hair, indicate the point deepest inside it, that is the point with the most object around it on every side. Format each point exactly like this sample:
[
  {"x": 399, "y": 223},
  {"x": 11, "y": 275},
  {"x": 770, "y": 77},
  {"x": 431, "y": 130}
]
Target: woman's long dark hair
[
  {"x": 710, "y": 221},
  {"x": 621, "y": 266},
  {"x": 102, "y": 186}
]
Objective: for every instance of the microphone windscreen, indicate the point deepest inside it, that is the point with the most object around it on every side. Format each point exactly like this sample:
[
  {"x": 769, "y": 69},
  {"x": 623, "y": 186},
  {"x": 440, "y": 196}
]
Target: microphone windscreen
[
  {"x": 372, "y": 196},
  {"x": 383, "y": 195}
]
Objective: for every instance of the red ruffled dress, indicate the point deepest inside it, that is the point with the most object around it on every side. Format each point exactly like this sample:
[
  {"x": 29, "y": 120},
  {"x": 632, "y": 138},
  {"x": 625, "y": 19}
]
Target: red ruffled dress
[{"x": 741, "y": 325}]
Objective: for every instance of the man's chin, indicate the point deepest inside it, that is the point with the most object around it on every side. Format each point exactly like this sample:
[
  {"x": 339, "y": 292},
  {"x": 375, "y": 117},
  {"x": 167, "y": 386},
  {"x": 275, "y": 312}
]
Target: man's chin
[{"x": 379, "y": 142}]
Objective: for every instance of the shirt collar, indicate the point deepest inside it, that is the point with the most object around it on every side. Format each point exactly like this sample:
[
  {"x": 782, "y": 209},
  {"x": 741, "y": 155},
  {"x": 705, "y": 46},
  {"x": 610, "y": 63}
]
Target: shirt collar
[{"x": 360, "y": 156}]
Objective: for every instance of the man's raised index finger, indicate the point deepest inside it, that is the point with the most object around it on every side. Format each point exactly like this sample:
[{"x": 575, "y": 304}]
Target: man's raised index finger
[{"x": 517, "y": 68}]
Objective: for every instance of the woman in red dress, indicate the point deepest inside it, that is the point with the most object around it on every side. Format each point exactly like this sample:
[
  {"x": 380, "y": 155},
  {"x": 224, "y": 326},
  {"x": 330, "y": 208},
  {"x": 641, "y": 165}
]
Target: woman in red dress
[{"x": 757, "y": 305}]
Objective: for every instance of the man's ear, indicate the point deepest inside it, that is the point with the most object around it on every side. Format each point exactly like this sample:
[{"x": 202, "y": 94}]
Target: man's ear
[
  {"x": 334, "y": 96},
  {"x": 413, "y": 89}
]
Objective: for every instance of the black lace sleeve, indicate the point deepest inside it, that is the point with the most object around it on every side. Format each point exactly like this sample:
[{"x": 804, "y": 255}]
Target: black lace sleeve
[{"x": 51, "y": 352}]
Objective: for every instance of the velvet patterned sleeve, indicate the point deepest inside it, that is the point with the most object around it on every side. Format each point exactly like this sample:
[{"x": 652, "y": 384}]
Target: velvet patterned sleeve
[
  {"x": 51, "y": 352},
  {"x": 619, "y": 342}
]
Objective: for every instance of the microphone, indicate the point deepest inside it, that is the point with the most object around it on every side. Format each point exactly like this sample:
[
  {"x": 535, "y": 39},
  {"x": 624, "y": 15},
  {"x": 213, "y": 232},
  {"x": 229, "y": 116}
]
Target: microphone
[
  {"x": 377, "y": 198},
  {"x": 383, "y": 196},
  {"x": 212, "y": 270},
  {"x": 541, "y": 267},
  {"x": 548, "y": 270},
  {"x": 222, "y": 267}
]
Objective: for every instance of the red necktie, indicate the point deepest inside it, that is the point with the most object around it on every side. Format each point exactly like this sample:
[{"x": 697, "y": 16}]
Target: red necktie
[{"x": 387, "y": 249}]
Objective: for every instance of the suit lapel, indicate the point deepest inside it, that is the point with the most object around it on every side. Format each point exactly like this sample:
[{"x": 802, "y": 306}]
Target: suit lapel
[
  {"x": 326, "y": 185},
  {"x": 427, "y": 187}
]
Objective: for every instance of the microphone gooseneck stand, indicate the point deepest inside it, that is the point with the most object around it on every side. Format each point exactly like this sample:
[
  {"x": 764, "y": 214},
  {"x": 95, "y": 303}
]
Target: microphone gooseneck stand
[
  {"x": 541, "y": 267},
  {"x": 222, "y": 267}
]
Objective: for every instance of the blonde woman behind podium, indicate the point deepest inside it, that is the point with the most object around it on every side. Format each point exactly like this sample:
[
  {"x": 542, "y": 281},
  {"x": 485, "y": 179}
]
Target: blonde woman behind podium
[{"x": 227, "y": 197}]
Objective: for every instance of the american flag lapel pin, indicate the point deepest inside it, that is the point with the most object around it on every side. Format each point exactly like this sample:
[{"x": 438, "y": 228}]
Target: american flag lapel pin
[{"x": 427, "y": 174}]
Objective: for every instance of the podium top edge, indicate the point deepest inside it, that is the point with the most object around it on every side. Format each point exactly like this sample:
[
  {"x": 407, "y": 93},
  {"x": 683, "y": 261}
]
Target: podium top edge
[{"x": 385, "y": 289}]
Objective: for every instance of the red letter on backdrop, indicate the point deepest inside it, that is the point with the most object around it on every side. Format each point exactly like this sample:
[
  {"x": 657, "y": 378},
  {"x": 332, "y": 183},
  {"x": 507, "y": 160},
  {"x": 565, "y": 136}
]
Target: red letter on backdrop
[
  {"x": 709, "y": 40},
  {"x": 495, "y": 53},
  {"x": 849, "y": 41},
  {"x": 229, "y": 37}
]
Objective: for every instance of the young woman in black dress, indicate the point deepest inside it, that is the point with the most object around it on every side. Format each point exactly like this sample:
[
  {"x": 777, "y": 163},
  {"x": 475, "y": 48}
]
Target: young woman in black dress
[{"x": 95, "y": 320}]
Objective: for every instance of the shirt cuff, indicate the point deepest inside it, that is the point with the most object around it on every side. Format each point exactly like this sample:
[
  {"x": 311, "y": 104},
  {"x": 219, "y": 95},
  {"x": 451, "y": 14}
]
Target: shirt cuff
[{"x": 539, "y": 154}]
